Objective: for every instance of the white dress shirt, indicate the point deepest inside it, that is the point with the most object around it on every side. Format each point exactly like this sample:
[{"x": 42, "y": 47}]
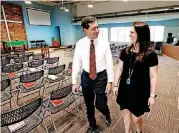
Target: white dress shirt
[{"x": 81, "y": 59}]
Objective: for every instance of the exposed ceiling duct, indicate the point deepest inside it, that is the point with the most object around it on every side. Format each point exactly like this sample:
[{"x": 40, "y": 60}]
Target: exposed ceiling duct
[
  {"x": 60, "y": 2},
  {"x": 171, "y": 9}
]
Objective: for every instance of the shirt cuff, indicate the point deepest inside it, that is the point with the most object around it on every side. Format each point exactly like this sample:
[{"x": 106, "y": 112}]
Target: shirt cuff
[
  {"x": 74, "y": 81},
  {"x": 110, "y": 78}
]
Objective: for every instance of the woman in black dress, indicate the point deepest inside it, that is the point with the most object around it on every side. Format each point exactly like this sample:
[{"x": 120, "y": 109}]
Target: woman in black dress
[{"x": 137, "y": 71}]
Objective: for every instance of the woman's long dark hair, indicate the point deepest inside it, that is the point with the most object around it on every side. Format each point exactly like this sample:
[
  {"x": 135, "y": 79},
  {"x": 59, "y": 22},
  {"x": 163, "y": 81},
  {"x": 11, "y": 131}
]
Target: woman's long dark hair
[{"x": 143, "y": 33}]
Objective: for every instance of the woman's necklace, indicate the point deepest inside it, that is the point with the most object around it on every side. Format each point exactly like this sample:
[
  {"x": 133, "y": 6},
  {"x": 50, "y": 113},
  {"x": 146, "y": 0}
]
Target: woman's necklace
[{"x": 131, "y": 69}]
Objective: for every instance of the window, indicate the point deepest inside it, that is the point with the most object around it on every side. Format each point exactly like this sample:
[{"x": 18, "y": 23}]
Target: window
[
  {"x": 114, "y": 34},
  {"x": 120, "y": 34},
  {"x": 156, "y": 33},
  {"x": 103, "y": 33}
]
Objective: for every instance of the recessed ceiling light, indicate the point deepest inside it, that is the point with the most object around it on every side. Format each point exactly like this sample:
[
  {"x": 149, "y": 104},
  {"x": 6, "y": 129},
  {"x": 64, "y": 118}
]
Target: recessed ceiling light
[
  {"x": 90, "y": 6},
  {"x": 28, "y": 2},
  {"x": 66, "y": 10}
]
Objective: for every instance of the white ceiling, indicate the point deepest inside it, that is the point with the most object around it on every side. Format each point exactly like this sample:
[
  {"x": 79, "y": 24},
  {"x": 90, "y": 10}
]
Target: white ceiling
[{"x": 101, "y": 7}]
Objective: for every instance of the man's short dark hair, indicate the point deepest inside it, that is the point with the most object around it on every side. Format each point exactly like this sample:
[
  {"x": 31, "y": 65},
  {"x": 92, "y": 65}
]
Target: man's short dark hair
[{"x": 86, "y": 20}]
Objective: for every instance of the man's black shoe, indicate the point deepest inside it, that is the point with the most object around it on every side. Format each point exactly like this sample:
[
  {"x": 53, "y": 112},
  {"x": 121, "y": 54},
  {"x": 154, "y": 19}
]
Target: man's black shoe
[
  {"x": 90, "y": 130},
  {"x": 108, "y": 121}
]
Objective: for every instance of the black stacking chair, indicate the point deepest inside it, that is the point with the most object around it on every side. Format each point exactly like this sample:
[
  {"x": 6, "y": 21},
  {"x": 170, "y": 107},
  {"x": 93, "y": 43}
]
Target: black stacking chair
[
  {"x": 6, "y": 90},
  {"x": 35, "y": 65},
  {"x": 33, "y": 44},
  {"x": 38, "y": 43},
  {"x": 69, "y": 51},
  {"x": 158, "y": 47},
  {"x": 29, "y": 54},
  {"x": 56, "y": 75},
  {"x": 68, "y": 72},
  {"x": 31, "y": 115},
  {"x": 5, "y": 61},
  {"x": 38, "y": 57},
  {"x": 12, "y": 71},
  {"x": 29, "y": 84},
  {"x": 43, "y": 43},
  {"x": 21, "y": 59},
  {"x": 65, "y": 94},
  {"x": 51, "y": 62}
]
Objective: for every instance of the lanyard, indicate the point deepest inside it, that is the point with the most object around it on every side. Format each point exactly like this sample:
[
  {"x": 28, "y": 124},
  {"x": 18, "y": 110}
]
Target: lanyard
[{"x": 130, "y": 70}]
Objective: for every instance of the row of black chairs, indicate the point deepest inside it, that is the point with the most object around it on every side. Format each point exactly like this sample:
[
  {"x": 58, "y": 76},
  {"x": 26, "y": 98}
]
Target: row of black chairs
[
  {"x": 38, "y": 43},
  {"x": 116, "y": 51},
  {"x": 157, "y": 46},
  {"x": 33, "y": 113},
  {"x": 12, "y": 117}
]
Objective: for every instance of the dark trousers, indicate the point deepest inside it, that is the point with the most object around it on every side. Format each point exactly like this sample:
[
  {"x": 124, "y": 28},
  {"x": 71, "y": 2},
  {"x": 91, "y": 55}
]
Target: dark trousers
[{"x": 95, "y": 89}]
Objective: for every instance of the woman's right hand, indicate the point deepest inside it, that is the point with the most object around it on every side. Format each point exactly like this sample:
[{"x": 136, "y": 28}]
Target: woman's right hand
[{"x": 115, "y": 90}]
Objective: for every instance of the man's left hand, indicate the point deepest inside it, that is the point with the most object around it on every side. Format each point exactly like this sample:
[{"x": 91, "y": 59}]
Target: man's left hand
[{"x": 108, "y": 88}]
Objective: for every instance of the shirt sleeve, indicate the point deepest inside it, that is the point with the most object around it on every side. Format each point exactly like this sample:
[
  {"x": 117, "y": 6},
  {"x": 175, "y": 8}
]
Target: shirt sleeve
[
  {"x": 122, "y": 56},
  {"x": 76, "y": 67},
  {"x": 153, "y": 59},
  {"x": 109, "y": 64}
]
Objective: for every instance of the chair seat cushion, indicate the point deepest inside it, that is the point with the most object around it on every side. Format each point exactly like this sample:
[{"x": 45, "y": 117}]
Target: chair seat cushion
[
  {"x": 37, "y": 86},
  {"x": 66, "y": 102},
  {"x": 52, "y": 77},
  {"x": 57, "y": 79},
  {"x": 31, "y": 122},
  {"x": 32, "y": 69}
]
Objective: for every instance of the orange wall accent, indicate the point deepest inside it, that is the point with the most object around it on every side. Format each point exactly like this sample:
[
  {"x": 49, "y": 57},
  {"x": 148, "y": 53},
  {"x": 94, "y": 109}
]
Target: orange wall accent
[{"x": 171, "y": 51}]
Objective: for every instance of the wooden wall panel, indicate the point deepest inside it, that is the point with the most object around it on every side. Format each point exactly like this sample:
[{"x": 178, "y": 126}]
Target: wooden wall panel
[
  {"x": 3, "y": 32},
  {"x": 17, "y": 31},
  {"x": 171, "y": 51},
  {"x": 13, "y": 12}
]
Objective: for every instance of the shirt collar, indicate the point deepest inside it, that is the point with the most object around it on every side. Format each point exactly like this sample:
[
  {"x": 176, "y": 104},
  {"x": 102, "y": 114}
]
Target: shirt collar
[{"x": 95, "y": 41}]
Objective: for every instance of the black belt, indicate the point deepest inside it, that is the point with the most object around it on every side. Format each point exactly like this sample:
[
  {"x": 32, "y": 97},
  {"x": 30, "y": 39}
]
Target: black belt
[{"x": 99, "y": 73}]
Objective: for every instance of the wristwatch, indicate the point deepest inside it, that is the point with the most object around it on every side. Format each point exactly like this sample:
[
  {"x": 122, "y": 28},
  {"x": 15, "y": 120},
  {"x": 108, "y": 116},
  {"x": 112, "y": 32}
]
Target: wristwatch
[{"x": 115, "y": 86}]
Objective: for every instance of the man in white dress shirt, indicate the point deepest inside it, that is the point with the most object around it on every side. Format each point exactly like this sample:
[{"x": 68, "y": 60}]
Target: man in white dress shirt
[{"x": 93, "y": 55}]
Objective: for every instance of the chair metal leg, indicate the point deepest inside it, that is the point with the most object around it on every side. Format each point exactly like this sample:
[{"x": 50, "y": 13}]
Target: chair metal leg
[
  {"x": 10, "y": 103},
  {"x": 77, "y": 107},
  {"x": 14, "y": 101},
  {"x": 53, "y": 123},
  {"x": 21, "y": 97},
  {"x": 43, "y": 90},
  {"x": 59, "y": 84},
  {"x": 45, "y": 126}
]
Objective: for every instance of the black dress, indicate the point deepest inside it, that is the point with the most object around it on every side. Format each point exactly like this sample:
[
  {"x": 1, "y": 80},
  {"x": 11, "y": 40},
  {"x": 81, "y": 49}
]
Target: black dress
[{"x": 134, "y": 96}]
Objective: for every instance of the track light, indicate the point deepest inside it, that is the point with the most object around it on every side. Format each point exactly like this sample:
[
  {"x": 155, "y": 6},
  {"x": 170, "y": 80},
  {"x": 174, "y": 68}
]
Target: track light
[
  {"x": 66, "y": 10},
  {"x": 28, "y": 2},
  {"x": 90, "y": 6}
]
